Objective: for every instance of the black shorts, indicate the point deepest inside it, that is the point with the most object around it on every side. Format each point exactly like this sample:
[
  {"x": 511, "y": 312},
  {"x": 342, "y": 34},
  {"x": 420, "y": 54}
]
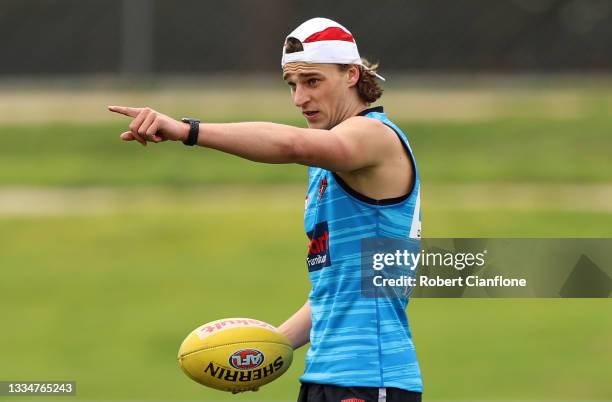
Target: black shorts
[{"x": 330, "y": 393}]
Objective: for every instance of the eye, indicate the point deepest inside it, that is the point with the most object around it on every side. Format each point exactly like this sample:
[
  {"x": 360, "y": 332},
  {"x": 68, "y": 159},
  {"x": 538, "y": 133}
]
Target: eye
[
  {"x": 313, "y": 82},
  {"x": 291, "y": 85}
]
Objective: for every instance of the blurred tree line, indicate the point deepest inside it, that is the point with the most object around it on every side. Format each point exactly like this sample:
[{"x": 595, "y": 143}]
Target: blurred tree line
[{"x": 197, "y": 36}]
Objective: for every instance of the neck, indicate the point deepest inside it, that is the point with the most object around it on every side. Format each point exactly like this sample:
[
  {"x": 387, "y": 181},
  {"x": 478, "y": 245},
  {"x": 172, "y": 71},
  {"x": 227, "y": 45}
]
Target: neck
[{"x": 351, "y": 108}]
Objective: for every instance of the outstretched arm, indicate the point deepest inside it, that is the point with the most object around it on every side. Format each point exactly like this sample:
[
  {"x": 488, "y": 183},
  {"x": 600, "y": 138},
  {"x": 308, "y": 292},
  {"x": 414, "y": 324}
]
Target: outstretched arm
[
  {"x": 297, "y": 327},
  {"x": 356, "y": 143}
]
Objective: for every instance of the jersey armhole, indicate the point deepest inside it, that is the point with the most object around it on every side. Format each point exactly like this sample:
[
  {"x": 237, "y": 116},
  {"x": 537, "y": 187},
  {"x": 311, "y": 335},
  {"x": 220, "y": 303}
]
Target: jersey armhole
[{"x": 385, "y": 201}]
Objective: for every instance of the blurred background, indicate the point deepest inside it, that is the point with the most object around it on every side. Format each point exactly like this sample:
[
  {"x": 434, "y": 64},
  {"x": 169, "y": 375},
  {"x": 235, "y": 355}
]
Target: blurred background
[{"x": 110, "y": 252}]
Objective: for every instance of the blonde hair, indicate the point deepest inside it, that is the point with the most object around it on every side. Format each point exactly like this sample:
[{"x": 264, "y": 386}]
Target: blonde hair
[{"x": 368, "y": 87}]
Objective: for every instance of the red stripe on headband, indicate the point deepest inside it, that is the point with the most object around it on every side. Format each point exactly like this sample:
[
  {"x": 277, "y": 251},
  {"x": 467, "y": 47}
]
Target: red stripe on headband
[{"x": 331, "y": 33}]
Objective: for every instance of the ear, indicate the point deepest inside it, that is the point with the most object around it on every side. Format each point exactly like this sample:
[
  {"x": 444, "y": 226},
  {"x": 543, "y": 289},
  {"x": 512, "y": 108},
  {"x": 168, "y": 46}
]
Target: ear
[{"x": 352, "y": 75}]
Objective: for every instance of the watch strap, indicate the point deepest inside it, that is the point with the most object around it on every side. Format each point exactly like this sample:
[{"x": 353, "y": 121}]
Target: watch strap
[{"x": 194, "y": 130}]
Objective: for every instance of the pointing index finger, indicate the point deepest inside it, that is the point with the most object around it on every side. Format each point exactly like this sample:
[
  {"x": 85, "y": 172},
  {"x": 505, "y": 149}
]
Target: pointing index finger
[{"x": 125, "y": 110}]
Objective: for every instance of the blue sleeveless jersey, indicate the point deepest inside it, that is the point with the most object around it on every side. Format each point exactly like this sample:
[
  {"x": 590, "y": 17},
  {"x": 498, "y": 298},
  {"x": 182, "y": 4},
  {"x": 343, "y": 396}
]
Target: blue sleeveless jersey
[{"x": 354, "y": 340}]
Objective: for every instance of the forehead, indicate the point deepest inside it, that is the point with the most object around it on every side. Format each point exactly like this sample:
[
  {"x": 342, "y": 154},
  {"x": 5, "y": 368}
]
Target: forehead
[{"x": 296, "y": 70}]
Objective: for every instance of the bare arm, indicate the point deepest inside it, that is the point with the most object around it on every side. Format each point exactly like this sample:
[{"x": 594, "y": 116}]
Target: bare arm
[
  {"x": 354, "y": 144},
  {"x": 297, "y": 327},
  {"x": 258, "y": 141}
]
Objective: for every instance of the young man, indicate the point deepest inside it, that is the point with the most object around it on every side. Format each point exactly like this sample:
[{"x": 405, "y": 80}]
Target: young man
[{"x": 363, "y": 183}]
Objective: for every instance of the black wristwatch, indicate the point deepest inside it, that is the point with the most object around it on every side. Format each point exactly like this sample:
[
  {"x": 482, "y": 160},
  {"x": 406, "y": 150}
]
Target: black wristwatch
[{"x": 194, "y": 130}]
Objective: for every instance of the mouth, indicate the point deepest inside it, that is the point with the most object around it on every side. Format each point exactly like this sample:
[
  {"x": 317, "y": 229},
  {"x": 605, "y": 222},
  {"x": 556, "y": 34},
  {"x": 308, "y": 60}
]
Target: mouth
[{"x": 310, "y": 114}]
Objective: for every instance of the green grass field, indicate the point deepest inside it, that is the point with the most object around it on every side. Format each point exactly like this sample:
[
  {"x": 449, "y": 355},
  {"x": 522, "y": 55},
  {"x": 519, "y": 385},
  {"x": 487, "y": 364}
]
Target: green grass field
[
  {"x": 509, "y": 150},
  {"x": 111, "y": 253}
]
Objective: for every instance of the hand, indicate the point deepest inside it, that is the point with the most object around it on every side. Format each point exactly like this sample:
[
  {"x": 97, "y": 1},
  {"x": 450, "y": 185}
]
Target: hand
[
  {"x": 151, "y": 126},
  {"x": 252, "y": 389}
]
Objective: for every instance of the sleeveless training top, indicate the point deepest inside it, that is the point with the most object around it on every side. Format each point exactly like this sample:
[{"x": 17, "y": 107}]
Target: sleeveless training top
[{"x": 354, "y": 340}]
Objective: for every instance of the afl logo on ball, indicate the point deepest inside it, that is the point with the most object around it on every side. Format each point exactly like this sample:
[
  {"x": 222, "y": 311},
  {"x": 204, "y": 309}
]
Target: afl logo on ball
[{"x": 246, "y": 359}]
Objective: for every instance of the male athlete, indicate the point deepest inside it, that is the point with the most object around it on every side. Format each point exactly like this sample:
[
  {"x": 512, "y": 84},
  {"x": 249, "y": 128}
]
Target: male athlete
[{"x": 363, "y": 183}]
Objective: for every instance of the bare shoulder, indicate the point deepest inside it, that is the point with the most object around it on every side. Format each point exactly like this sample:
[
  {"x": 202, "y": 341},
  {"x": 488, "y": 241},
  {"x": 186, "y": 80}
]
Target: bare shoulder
[
  {"x": 368, "y": 131},
  {"x": 361, "y": 124},
  {"x": 387, "y": 171}
]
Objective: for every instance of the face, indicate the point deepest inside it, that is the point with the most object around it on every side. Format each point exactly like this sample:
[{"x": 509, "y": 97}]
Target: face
[{"x": 321, "y": 91}]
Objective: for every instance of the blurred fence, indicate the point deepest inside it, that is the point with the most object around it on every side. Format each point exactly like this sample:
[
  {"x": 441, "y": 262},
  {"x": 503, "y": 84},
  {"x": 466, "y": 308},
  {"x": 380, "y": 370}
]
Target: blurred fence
[{"x": 193, "y": 36}]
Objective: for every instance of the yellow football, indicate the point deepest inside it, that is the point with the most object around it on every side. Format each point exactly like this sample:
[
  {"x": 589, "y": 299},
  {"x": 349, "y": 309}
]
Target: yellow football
[{"x": 235, "y": 354}]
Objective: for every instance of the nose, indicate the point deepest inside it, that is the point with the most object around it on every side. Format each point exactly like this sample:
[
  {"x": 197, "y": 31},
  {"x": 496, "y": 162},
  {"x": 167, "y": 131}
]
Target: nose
[{"x": 300, "y": 96}]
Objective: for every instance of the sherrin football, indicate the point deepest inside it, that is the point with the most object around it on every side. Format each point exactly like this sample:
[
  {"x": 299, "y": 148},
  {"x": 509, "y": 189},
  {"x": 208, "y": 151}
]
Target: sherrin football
[{"x": 235, "y": 354}]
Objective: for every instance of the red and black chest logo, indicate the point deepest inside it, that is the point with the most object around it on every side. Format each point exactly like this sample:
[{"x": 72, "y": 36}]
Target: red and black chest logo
[
  {"x": 318, "y": 247},
  {"x": 322, "y": 187}
]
